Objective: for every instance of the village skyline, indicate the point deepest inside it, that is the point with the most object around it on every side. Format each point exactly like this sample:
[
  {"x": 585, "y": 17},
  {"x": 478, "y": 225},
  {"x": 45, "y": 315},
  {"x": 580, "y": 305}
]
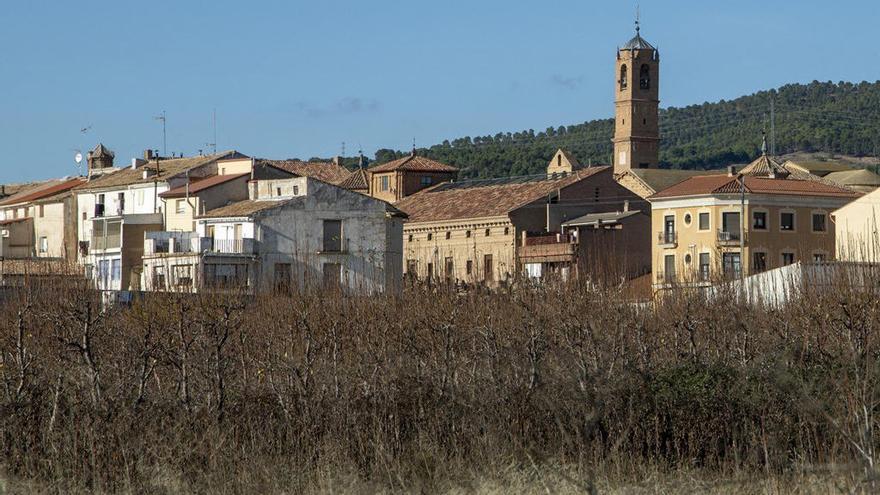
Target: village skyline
[{"x": 104, "y": 73}]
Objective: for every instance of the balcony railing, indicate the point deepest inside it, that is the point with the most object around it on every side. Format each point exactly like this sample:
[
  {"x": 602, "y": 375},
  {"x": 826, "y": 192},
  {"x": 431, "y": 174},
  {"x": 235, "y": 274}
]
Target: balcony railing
[
  {"x": 731, "y": 237},
  {"x": 667, "y": 238},
  {"x": 231, "y": 246},
  {"x": 110, "y": 241}
]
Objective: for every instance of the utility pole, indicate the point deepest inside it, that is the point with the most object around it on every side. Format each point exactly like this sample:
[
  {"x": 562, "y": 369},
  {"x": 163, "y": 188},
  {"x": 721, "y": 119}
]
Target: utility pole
[{"x": 742, "y": 228}]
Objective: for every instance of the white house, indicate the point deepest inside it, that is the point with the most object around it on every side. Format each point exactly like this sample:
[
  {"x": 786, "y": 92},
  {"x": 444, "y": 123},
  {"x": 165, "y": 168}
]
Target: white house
[{"x": 294, "y": 232}]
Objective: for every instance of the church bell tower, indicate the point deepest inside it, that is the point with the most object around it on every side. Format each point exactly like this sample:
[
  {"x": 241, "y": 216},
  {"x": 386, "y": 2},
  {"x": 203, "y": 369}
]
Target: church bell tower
[{"x": 636, "y": 126}]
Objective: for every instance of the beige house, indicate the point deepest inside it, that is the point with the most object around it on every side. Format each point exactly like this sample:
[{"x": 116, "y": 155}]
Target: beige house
[
  {"x": 40, "y": 222},
  {"x": 699, "y": 235},
  {"x": 857, "y": 233},
  {"x": 474, "y": 231}
]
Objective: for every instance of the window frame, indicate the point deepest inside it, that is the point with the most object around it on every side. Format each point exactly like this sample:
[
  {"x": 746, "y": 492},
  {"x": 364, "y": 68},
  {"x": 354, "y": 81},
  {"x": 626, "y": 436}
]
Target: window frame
[
  {"x": 813, "y": 216},
  {"x": 766, "y": 214},
  {"x": 708, "y": 217},
  {"x": 793, "y": 220}
]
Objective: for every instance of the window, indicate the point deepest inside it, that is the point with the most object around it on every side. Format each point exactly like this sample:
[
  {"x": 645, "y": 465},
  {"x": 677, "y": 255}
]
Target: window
[
  {"x": 731, "y": 264},
  {"x": 430, "y": 271},
  {"x": 488, "y": 270},
  {"x": 818, "y": 257},
  {"x": 759, "y": 262},
  {"x": 120, "y": 203},
  {"x": 818, "y": 222},
  {"x": 44, "y": 245},
  {"x": 645, "y": 77},
  {"x": 467, "y": 234},
  {"x": 42, "y": 211},
  {"x": 183, "y": 275},
  {"x": 84, "y": 216},
  {"x": 469, "y": 267},
  {"x": 623, "y": 77},
  {"x": 180, "y": 206},
  {"x": 488, "y": 232},
  {"x": 506, "y": 230},
  {"x": 296, "y": 190},
  {"x": 103, "y": 270},
  {"x": 786, "y": 221},
  {"x": 687, "y": 259},
  {"x": 704, "y": 221},
  {"x": 332, "y": 275},
  {"x": 430, "y": 236},
  {"x": 383, "y": 183},
  {"x": 277, "y": 191},
  {"x": 448, "y": 235},
  {"x": 116, "y": 270},
  {"x": 332, "y": 236},
  {"x": 449, "y": 269},
  {"x": 282, "y": 278},
  {"x": 99, "y": 206},
  {"x": 226, "y": 275},
  {"x": 669, "y": 267},
  {"x": 412, "y": 268},
  {"x": 729, "y": 226},
  {"x": 759, "y": 220},
  {"x": 704, "y": 266},
  {"x": 787, "y": 259},
  {"x": 687, "y": 219},
  {"x": 139, "y": 197},
  {"x": 410, "y": 238},
  {"x": 426, "y": 180}
]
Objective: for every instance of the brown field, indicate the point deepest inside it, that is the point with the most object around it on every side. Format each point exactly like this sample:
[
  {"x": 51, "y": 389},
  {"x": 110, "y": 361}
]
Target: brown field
[{"x": 561, "y": 389}]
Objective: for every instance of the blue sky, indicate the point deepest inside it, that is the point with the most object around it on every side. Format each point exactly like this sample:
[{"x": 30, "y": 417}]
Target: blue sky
[{"x": 297, "y": 78}]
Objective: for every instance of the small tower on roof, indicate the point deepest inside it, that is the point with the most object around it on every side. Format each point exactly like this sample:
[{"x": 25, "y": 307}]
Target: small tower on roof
[
  {"x": 637, "y": 102},
  {"x": 100, "y": 160}
]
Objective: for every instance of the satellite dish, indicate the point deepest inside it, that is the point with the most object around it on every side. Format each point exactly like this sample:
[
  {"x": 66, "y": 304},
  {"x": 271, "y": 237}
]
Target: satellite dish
[{"x": 78, "y": 158}]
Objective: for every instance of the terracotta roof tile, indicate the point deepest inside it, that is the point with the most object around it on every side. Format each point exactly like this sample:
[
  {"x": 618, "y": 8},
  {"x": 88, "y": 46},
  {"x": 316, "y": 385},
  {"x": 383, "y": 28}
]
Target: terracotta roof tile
[
  {"x": 324, "y": 171},
  {"x": 44, "y": 190},
  {"x": 724, "y": 184},
  {"x": 201, "y": 185},
  {"x": 484, "y": 198},
  {"x": 356, "y": 181},
  {"x": 168, "y": 168},
  {"x": 414, "y": 163}
]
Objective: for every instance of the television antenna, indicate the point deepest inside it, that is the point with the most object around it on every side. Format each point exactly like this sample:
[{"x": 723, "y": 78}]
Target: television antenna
[{"x": 164, "y": 135}]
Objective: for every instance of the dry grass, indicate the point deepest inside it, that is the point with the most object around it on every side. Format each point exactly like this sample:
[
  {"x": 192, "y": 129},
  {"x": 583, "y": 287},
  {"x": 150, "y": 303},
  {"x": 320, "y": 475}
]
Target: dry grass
[{"x": 436, "y": 392}]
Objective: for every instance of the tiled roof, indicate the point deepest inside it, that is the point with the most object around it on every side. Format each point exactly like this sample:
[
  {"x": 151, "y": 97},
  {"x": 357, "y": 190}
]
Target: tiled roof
[
  {"x": 201, "y": 185},
  {"x": 244, "y": 208},
  {"x": 323, "y": 171},
  {"x": 484, "y": 198},
  {"x": 637, "y": 43},
  {"x": 764, "y": 166},
  {"x": 42, "y": 191},
  {"x": 168, "y": 168},
  {"x": 357, "y": 180},
  {"x": 724, "y": 184},
  {"x": 659, "y": 179},
  {"x": 413, "y": 162},
  {"x": 101, "y": 151}
]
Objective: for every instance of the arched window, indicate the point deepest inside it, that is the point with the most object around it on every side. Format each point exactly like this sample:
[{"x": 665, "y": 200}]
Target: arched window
[
  {"x": 645, "y": 77},
  {"x": 623, "y": 77}
]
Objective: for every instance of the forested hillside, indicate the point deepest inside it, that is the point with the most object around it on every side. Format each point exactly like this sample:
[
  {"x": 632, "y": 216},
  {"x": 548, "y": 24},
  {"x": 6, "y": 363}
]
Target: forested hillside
[{"x": 840, "y": 118}]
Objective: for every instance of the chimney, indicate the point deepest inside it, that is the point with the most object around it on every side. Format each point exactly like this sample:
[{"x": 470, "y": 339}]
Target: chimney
[
  {"x": 625, "y": 205},
  {"x": 337, "y": 160},
  {"x": 731, "y": 171},
  {"x": 148, "y": 155},
  {"x": 137, "y": 162}
]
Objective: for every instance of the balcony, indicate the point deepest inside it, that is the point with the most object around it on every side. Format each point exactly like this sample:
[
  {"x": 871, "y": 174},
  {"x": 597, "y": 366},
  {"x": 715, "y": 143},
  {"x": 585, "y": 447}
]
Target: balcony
[
  {"x": 168, "y": 243},
  {"x": 231, "y": 246},
  {"x": 665, "y": 277},
  {"x": 553, "y": 248},
  {"x": 667, "y": 239},
  {"x": 729, "y": 238},
  {"x": 105, "y": 242}
]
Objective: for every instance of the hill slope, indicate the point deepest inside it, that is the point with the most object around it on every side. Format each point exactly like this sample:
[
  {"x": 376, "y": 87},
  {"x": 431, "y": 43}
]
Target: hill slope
[{"x": 838, "y": 118}]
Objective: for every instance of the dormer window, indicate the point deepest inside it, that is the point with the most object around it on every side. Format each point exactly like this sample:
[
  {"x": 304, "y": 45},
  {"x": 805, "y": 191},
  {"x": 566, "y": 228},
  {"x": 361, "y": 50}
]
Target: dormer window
[
  {"x": 645, "y": 77},
  {"x": 623, "y": 77}
]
